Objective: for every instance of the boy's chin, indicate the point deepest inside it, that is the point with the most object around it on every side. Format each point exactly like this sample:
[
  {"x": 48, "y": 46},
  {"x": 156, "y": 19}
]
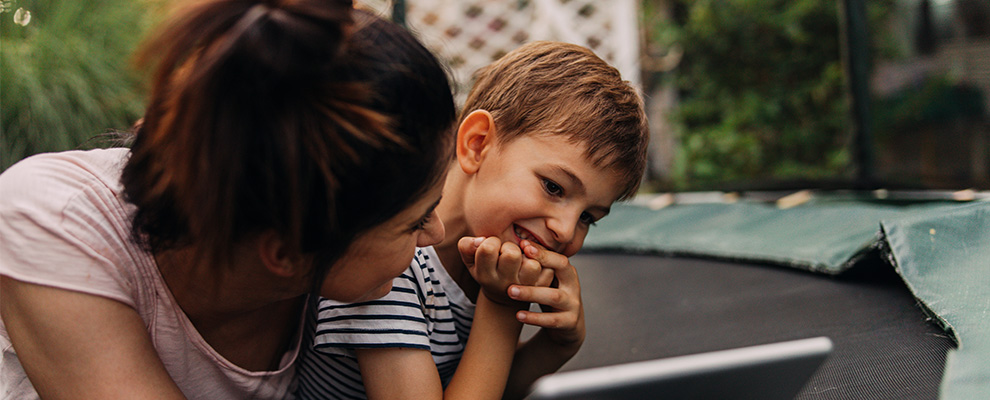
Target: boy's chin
[
  {"x": 372, "y": 294},
  {"x": 379, "y": 292}
]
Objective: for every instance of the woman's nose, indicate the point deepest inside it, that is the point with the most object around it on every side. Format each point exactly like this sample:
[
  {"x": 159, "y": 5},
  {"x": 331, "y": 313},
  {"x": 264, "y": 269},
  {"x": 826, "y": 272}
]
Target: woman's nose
[{"x": 432, "y": 233}]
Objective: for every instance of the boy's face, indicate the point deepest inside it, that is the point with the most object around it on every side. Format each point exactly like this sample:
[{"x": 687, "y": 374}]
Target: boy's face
[{"x": 540, "y": 188}]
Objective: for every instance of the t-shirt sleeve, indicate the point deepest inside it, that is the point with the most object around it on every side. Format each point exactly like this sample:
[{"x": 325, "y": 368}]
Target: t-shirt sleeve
[
  {"x": 395, "y": 320},
  {"x": 64, "y": 226}
]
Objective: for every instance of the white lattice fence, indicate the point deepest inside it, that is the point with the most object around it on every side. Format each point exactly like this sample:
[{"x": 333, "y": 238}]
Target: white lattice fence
[{"x": 471, "y": 34}]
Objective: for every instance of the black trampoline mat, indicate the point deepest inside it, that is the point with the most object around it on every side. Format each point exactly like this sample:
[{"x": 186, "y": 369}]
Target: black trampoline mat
[{"x": 641, "y": 307}]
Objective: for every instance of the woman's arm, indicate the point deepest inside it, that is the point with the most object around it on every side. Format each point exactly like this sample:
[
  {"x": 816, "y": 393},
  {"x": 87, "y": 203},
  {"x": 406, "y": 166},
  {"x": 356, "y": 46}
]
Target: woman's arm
[
  {"x": 79, "y": 346},
  {"x": 402, "y": 373}
]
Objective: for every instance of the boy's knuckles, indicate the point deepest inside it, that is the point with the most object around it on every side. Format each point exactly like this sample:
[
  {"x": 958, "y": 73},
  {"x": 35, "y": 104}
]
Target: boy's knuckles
[
  {"x": 490, "y": 245},
  {"x": 509, "y": 248},
  {"x": 510, "y": 261},
  {"x": 526, "y": 278},
  {"x": 529, "y": 272},
  {"x": 487, "y": 253},
  {"x": 556, "y": 260},
  {"x": 546, "y": 277}
]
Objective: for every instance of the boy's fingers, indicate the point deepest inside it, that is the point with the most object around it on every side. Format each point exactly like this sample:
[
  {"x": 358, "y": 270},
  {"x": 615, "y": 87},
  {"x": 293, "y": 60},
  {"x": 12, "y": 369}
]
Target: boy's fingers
[
  {"x": 553, "y": 297},
  {"x": 546, "y": 258},
  {"x": 546, "y": 277},
  {"x": 530, "y": 272},
  {"x": 565, "y": 273},
  {"x": 467, "y": 246},
  {"x": 509, "y": 260},
  {"x": 551, "y": 320},
  {"x": 486, "y": 257}
]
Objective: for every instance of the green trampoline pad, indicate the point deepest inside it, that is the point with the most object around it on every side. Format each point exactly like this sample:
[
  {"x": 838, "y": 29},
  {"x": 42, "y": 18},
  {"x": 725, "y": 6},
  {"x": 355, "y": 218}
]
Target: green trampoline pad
[{"x": 940, "y": 249}]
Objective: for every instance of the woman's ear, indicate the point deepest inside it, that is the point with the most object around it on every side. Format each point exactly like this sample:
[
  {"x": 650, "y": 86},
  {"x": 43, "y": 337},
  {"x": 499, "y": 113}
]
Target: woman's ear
[
  {"x": 474, "y": 137},
  {"x": 277, "y": 257}
]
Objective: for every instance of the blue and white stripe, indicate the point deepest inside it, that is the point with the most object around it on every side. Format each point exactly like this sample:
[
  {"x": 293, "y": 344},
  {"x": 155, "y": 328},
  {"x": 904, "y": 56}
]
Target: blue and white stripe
[{"x": 425, "y": 310}]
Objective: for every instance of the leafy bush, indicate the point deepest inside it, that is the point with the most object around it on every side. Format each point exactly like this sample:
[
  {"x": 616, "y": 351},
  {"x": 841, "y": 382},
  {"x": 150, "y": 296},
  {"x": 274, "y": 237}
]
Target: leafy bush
[
  {"x": 66, "y": 76},
  {"x": 763, "y": 90}
]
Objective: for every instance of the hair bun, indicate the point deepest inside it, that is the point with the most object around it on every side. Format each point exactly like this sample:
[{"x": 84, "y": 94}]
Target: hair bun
[{"x": 290, "y": 40}]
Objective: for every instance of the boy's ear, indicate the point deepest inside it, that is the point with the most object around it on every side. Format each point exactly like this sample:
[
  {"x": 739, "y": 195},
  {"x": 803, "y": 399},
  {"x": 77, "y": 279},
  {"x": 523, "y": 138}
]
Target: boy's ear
[
  {"x": 475, "y": 135},
  {"x": 277, "y": 257}
]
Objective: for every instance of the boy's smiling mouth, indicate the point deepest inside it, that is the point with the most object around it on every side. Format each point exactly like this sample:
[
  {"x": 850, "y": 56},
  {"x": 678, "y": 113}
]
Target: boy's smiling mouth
[{"x": 525, "y": 234}]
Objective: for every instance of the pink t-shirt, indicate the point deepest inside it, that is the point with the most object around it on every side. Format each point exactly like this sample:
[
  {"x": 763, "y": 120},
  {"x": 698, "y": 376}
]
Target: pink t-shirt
[{"x": 64, "y": 223}]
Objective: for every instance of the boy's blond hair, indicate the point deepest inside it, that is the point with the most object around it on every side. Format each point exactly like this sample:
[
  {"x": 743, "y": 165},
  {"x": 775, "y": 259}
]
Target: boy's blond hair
[{"x": 546, "y": 88}]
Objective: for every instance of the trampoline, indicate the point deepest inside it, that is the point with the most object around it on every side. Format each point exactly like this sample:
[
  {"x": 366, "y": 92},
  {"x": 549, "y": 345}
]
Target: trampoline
[{"x": 903, "y": 291}]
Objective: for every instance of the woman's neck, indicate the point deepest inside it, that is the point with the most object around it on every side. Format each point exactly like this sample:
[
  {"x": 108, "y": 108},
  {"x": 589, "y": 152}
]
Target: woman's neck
[{"x": 249, "y": 327}]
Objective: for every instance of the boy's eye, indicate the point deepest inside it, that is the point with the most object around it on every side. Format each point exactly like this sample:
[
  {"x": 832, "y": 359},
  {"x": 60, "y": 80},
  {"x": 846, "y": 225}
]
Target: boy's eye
[
  {"x": 552, "y": 188},
  {"x": 587, "y": 219}
]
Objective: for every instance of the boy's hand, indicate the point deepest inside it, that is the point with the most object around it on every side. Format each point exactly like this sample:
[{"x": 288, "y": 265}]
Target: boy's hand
[
  {"x": 496, "y": 265},
  {"x": 563, "y": 313}
]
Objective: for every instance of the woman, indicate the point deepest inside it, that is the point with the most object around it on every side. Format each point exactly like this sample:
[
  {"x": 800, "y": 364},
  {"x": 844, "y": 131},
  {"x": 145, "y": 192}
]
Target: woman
[{"x": 289, "y": 147}]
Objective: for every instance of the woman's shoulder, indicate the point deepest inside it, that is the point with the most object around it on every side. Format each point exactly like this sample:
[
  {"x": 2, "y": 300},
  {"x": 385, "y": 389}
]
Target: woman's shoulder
[
  {"x": 60, "y": 189},
  {"x": 51, "y": 178},
  {"x": 66, "y": 225}
]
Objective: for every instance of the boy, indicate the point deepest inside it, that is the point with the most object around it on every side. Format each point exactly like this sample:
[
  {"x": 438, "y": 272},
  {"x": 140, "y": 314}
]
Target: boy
[{"x": 549, "y": 137}]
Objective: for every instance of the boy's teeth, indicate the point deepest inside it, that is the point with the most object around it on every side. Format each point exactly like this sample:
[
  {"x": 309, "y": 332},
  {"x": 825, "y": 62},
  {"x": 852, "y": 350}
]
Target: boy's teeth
[{"x": 522, "y": 234}]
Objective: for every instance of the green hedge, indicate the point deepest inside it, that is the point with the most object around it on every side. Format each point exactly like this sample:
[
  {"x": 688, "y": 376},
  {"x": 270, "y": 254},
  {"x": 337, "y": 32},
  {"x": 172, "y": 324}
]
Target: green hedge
[
  {"x": 67, "y": 75},
  {"x": 763, "y": 90}
]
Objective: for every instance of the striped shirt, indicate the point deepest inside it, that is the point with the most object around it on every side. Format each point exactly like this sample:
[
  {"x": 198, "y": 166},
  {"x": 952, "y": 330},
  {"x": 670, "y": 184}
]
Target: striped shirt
[{"x": 425, "y": 310}]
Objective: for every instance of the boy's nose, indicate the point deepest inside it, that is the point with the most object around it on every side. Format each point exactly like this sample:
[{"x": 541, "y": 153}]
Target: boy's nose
[
  {"x": 432, "y": 233},
  {"x": 563, "y": 227}
]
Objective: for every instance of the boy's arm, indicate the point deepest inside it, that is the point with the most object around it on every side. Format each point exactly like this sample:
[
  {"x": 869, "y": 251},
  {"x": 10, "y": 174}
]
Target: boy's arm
[
  {"x": 397, "y": 373},
  {"x": 562, "y": 323},
  {"x": 537, "y": 357},
  {"x": 405, "y": 373}
]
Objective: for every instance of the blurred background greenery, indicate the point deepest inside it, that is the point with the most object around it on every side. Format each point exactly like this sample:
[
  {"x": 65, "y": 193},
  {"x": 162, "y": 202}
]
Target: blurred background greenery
[
  {"x": 763, "y": 94},
  {"x": 755, "y": 93},
  {"x": 66, "y": 76}
]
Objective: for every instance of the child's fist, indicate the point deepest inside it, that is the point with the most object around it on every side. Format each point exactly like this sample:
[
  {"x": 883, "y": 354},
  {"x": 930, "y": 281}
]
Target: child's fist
[
  {"x": 563, "y": 312},
  {"x": 496, "y": 265}
]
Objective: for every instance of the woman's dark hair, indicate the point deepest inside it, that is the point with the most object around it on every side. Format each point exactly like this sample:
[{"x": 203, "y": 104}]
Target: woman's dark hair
[{"x": 304, "y": 117}]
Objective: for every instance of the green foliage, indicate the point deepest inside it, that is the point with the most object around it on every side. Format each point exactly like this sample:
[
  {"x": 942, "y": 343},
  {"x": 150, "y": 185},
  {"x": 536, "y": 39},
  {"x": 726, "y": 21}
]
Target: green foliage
[
  {"x": 763, "y": 93},
  {"x": 66, "y": 76},
  {"x": 938, "y": 99}
]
